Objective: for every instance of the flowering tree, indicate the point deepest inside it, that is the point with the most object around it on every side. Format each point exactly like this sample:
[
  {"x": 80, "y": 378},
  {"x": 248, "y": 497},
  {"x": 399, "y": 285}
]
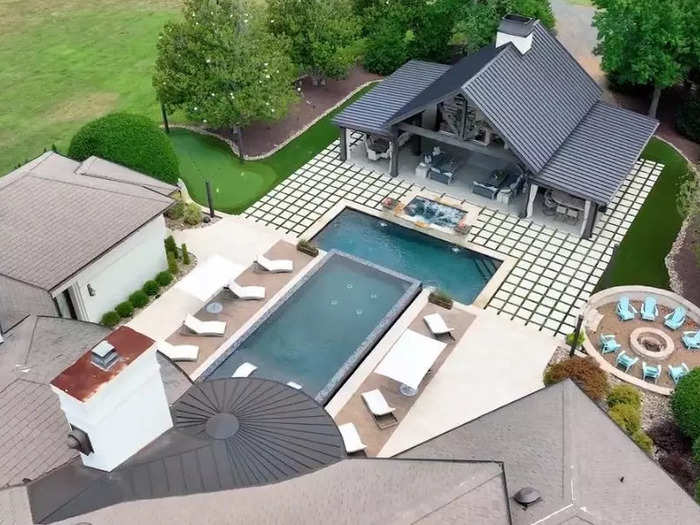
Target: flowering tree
[{"x": 222, "y": 68}]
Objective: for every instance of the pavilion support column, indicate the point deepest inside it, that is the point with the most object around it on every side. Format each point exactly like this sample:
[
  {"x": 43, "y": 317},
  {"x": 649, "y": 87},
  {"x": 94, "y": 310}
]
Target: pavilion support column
[
  {"x": 343, "y": 148},
  {"x": 590, "y": 213},
  {"x": 394, "y": 159},
  {"x": 529, "y": 201}
]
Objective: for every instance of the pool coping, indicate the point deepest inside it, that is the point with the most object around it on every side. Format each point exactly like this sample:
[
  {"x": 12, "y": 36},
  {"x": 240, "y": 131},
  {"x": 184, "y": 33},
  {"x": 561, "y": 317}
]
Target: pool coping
[
  {"x": 362, "y": 350},
  {"x": 491, "y": 287}
]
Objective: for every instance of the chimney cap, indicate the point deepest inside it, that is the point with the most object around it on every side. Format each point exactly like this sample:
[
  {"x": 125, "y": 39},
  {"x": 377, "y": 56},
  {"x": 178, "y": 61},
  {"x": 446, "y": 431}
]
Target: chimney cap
[
  {"x": 527, "y": 496},
  {"x": 516, "y": 25}
]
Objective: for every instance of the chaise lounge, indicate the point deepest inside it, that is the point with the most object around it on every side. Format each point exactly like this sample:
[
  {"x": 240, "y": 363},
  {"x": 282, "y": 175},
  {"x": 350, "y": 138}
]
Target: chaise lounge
[
  {"x": 437, "y": 325},
  {"x": 246, "y": 292},
  {"x": 351, "y": 438},
  {"x": 178, "y": 352},
  {"x": 380, "y": 409},
  {"x": 244, "y": 370},
  {"x": 275, "y": 265},
  {"x": 213, "y": 328}
]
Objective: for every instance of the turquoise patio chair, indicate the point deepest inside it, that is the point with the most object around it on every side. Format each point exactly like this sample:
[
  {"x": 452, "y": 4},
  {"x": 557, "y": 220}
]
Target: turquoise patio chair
[
  {"x": 625, "y": 311},
  {"x": 649, "y": 309},
  {"x": 625, "y": 360},
  {"x": 652, "y": 372},
  {"x": 609, "y": 344},
  {"x": 677, "y": 372},
  {"x": 691, "y": 340},
  {"x": 675, "y": 319}
]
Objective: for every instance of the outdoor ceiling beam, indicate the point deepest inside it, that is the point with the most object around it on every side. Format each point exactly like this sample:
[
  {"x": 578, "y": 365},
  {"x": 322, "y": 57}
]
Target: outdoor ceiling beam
[{"x": 454, "y": 141}]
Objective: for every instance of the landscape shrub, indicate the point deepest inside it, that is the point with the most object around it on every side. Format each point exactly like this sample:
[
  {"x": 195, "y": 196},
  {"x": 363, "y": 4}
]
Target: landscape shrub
[
  {"x": 170, "y": 246},
  {"x": 680, "y": 468},
  {"x": 697, "y": 491},
  {"x": 139, "y": 299},
  {"x": 125, "y": 309},
  {"x": 688, "y": 119},
  {"x": 696, "y": 451},
  {"x": 627, "y": 417},
  {"x": 579, "y": 341},
  {"x": 131, "y": 140},
  {"x": 192, "y": 214},
  {"x": 440, "y": 298},
  {"x": 307, "y": 247},
  {"x": 172, "y": 263},
  {"x": 585, "y": 372},
  {"x": 668, "y": 437},
  {"x": 110, "y": 319},
  {"x": 643, "y": 440},
  {"x": 626, "y": 395},
  {"x": 177, "y": 210},
  {"x": 185, "y": 254},
  {"x": 164, "y": 278},
  {"x": 150, "y": 288},
  {"x": 685, "y": 403}
]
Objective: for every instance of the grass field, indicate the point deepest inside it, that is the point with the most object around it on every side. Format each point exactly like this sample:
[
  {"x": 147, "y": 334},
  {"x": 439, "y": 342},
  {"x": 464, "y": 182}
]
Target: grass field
[
  {"x": 66, "y": 62},
  {"x": 235, "y": 184},
  {"x": 640, "y": 256}
]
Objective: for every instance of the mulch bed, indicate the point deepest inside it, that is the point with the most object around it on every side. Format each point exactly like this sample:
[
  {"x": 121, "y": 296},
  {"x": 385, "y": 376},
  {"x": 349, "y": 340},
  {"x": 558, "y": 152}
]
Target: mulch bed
[
  {"x": 685, "y": 262},
  {"x": 263, "y": 137}
]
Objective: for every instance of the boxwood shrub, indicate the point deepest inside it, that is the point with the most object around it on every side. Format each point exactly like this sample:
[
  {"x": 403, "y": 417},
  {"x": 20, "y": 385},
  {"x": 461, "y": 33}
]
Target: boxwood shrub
[
  {"x": 626, "y": 395},
  {"x": 585, "y": 372},
  {"x": 139, "y": 299},
  {"x": 110, "y": 319},
  {"x": 685, "y": 404},
  {"x": 627, "y": 417},
  {"x": 643, "y": 440},
  {"x": 131, "y": 140},
  {"x": 125, "y": 309},
  {"x": 164, "y": 278},
  {"x": 192, "y": 214},
  {"x": 150, "y": 287}
]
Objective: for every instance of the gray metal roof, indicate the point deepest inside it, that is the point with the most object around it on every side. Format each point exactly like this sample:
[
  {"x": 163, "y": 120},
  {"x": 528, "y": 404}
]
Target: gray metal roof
[
  {"x": 373, "y": 110},
  {"x": 33, "y": 428},
  {"x": 227, "y": 434},
  {"x": 54, "y": 221},
  {"x": 534, "y": 100},
  {"x": 562, "y": 444},
  {"x": 598, "y": 155}
]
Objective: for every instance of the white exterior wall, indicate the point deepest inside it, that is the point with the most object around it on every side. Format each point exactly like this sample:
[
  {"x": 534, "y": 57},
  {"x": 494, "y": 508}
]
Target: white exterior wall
[
  {"x": 120, "y": 272},
  {"x": 124, "y": 415},
  {"x": 522, "y": 43}
]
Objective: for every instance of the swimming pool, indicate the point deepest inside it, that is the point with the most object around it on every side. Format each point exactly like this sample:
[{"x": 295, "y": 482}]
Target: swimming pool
[
  {"x": 318, "y": 334},
  {"x": 461, "y": 272}
]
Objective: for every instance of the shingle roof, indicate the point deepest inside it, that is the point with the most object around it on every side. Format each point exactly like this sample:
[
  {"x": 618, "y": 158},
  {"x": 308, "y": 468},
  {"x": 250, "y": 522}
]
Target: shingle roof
[
  {"x": 597, "y": 156},
  {"x": 104, "y": 169},
  {"x": 372, "y": 111},
  {"x": 53, "y": 222},
  {"x": 559, "y": 442}
]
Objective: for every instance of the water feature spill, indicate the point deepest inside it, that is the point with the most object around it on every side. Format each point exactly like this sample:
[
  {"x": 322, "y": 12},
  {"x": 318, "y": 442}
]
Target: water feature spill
[{"x": 432, "y": 212}]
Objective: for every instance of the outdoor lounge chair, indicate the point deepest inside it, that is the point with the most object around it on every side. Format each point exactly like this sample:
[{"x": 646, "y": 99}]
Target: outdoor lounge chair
[
  {"x": 246, "y": 292},
  {"x": 244, "y": 370},
  {"x": 625, "y": 311},
  {"x": 351, "y": 438},
  {"x": 294, "y": 385},
  {"x": 677, "y": 372},
  {"x": 205, "y": 327},
  {"x": 383, "y": 414},
  {"x": 652, "y": 372},
  {"x": 649, "y": 309},
  {"x": 675, "y": 319},
  {"x": 275, "y": 265},
  {"x": 625, "y": 360},
  {"x": 178, "y": 352},
  {"x": 691, "y": 340},
  {"x": 609, "y": 344},
  {"x": 437, "y": 324}
]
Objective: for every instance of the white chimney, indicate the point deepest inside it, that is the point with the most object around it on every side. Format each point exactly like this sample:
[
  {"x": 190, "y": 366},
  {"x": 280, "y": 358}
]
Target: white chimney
[
  {"x": 114, "y": 399},
  {"x": 516, "y": 29}
]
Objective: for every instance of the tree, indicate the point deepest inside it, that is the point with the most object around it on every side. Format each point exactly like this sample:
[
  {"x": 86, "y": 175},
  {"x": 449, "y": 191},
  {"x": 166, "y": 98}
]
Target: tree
[
  {"x": 324, "y": 35},
  {"x": 222, "y": 67},
  {"x": 477, "y": 21},
  {"x": 648, "y": 41}
]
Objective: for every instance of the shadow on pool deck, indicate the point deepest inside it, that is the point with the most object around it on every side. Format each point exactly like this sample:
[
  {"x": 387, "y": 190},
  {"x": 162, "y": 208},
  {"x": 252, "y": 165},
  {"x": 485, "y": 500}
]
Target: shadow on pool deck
[{"x": 237, "y": 312}]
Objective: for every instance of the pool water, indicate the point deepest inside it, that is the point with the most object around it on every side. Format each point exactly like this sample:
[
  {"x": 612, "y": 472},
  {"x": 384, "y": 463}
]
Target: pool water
[
  {"x": 432, "y": 212},
  {"x": 325, "y": 327},
  {"x": 460, "y": 272}
]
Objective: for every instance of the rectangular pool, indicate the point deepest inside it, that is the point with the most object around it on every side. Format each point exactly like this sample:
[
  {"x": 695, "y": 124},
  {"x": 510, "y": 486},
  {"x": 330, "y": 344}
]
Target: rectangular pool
[
  {"x": 327, "y": 323},
  {"x": 460, "y": 272}
]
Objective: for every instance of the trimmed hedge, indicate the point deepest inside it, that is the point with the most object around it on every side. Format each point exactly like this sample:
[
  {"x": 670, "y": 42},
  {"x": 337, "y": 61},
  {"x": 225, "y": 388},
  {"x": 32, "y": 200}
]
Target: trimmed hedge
[
  {"x": 627, "y": 417},
  {"x": 139, "y": 299},
  {"x": 150, "y": 287},
  {"x": 625, "y": 395},
  {"x": 185, "y": 254},
  {"x": 131, "y": 140},
  {"x": 585, "y": 372},
  {"x": 685, "y": 404},
  {"x": 125, "y": 309},
  {"x": 110, "y": 319},
  {"x": 164, "y": 278},
  {"x": 172, "y": 263},
  {"x": 643, "y": 440},
  {"x": 170, "y": 246}
]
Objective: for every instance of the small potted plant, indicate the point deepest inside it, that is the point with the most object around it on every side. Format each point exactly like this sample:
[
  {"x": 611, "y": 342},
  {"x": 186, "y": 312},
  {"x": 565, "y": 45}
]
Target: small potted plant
[
  {"x": 463, "y": 225},
  {"x": 441, "y": 298},
  {"x": 389, "y": 203},
  {"x": 306, "y": 247},
  {"x": 579, "y": 341}
]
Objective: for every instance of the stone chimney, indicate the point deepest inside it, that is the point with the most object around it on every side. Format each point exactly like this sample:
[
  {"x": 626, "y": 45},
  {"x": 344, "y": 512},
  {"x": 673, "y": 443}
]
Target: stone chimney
[
  {"x": 114, "y": 399},
  {"x": 516, "y": 29}
]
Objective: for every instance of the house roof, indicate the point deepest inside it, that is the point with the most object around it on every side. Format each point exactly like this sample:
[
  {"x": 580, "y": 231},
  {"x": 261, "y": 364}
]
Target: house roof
[
  {"x": 562, "y": 444},
  {"x": 33, "y": 428},
  {"x": 55, "y": 221},
  {"x": 104, "y": 169}
]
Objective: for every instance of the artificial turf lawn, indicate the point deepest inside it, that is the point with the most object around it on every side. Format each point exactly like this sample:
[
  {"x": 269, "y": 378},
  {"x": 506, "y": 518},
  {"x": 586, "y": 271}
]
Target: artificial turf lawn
[
  {"x": 64, "y": 64},
  {"x": 640, "y": 256},
  {"x": 235, "y": 184}
]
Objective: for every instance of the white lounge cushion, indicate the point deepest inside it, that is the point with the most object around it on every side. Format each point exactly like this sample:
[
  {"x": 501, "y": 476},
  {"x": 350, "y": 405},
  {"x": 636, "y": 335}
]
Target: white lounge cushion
[
  {"x": 178, "y": 352},
  {"x": 376, "y": 402},
  {"x": 245, "y": 370},
  {"x": 246, "y": 292},
  {"x": 437, "y": 324},
  {"x": 205, "y": 327},
  {"x": 275, "y": 265},
  {"x": 294, "y": 385},
  {"x": 351, "y": 438}
]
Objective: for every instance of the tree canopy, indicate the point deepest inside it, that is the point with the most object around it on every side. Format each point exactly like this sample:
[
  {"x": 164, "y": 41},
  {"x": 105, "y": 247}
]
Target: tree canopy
[
  {"x": 324, "y": 35},
  {"x": 221, "y": 65}
]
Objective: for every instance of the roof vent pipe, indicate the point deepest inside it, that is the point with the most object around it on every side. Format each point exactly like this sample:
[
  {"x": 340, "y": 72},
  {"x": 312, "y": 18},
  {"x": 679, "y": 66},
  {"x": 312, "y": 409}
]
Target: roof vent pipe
[
  {"x": 527, "y": 496},
  {"x": 104, "y": 355},
  {"x": 517, "y": 30}
]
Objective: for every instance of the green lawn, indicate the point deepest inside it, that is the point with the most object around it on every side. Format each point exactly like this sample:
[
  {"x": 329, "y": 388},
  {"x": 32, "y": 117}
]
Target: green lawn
[
  {"x": 640, "y": 256},
  {"x": 236, "y": 185},
  {"x": 66, "y": 62}
]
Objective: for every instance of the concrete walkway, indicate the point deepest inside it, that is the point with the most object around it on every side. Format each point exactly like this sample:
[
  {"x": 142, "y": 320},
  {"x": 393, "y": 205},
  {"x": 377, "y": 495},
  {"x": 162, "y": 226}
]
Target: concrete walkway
[{"x": 496, "y": 362}]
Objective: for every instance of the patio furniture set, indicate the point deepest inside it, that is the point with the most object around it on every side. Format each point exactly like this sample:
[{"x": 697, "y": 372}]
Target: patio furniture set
[
  {"x": 501, "y": 185},
  {"x": 562, "y": 206},
  {"x": 649, "y": 312}
]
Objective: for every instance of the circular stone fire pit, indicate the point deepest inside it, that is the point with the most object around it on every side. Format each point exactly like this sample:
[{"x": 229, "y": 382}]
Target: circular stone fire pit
[{"x": 651, "y": 342}]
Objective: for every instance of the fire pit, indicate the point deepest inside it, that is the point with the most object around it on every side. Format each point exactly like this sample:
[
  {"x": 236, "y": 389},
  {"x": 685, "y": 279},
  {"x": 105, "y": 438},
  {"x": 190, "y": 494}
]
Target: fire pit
[{"x": 651, "y": 342}]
